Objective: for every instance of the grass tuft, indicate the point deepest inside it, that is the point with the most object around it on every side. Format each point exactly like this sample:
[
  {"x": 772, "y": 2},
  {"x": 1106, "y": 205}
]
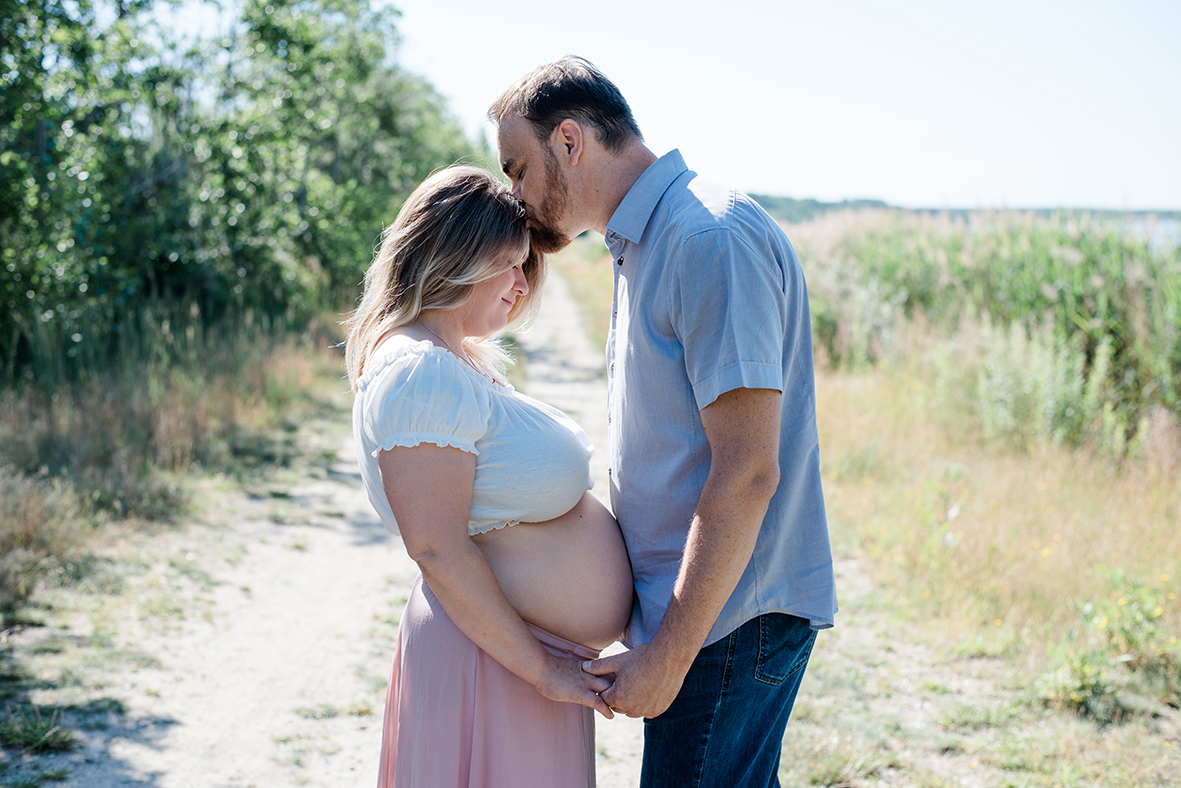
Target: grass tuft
[
  {"x": 324, "y": 711},
  {"x": 27, "y": 730}
]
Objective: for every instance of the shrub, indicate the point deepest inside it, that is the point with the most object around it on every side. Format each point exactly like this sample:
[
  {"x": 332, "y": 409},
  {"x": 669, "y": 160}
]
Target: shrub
[
  {"x": 40, "y": 523},
  {"x": 1121, "y": 642},
  {"x": 1083, "y": 318}
]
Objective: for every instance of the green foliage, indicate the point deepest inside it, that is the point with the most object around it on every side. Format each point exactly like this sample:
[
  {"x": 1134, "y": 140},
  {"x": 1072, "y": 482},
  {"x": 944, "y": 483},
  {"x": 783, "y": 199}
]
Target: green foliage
[
  {"x": 1080, "y": 684},
  {"x": 246, "y": 176},
  {"x": 1130, "y": 624},
  {"x": 1083, "y": 319},
  {"x": 789, "y": 209},
  {"x": 1122, "y": 643},
  {"x": 169, "y": 209},
  {"x": 27, "y": 729},
  {"x": 1034, "y": 386},
  {"x": 854, "y": 320}
]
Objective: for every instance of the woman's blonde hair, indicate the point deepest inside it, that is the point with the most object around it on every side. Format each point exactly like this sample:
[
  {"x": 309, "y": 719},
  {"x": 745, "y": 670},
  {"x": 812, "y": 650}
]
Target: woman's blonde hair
[{"x": 449, "y": 236}]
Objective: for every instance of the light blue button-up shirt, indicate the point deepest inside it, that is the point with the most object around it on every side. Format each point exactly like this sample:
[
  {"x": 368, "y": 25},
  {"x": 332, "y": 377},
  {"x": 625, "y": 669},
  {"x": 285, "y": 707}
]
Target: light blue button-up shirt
[{"x": 709, "y": 297}]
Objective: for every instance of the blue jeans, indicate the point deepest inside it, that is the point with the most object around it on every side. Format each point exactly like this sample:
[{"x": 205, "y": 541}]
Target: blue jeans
[{"x": 725, "y": 728}]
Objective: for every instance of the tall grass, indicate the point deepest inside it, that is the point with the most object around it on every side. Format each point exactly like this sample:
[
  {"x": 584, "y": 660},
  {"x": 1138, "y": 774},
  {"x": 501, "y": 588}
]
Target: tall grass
[
  {"x": 1012, "y": 476},
  {"x": 1061, "y": 302},
  {"x": 1040, "y": 551},
  {"x": 1006, "y": 444},
  {"x": 181, "y": 397}
]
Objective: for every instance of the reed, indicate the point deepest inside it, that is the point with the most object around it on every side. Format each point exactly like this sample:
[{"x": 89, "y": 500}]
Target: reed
[
  {"x": 1091, "y": 299},
  {"x": 1002, "y": 481}
]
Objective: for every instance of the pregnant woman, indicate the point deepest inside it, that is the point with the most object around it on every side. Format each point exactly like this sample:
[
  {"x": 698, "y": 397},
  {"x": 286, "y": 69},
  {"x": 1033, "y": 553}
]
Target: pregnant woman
[{"x": 523, "y": 573}]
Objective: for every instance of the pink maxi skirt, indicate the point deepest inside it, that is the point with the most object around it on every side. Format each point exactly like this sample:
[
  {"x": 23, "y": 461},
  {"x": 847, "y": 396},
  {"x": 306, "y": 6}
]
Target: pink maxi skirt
[{"x": 456, "y": 718}]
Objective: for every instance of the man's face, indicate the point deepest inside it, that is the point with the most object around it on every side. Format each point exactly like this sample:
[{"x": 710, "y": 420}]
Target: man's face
[{"x": 537, "y": 182}]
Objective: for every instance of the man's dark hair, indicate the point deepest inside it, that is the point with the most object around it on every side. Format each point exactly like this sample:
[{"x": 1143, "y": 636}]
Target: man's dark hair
[{"x": 570, "y": 88}]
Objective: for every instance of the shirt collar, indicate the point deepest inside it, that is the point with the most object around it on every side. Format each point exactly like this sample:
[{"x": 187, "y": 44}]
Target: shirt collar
[{"x": 632, "y": 215}]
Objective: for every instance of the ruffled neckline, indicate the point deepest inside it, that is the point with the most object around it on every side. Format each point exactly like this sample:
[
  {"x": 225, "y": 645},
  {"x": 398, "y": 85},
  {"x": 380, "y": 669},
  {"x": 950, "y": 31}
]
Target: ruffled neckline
[{"x": 384, "y": 355}]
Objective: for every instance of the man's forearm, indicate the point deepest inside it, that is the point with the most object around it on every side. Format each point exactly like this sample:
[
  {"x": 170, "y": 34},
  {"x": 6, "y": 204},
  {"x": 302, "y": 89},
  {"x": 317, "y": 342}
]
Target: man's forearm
[
  {"x": 719, "y": 546},
  {"x": 743, "y": 431}
]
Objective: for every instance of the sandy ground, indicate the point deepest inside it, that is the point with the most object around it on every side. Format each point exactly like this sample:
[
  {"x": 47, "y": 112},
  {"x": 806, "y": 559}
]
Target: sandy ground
[
  {"x": 252, "y": 647},
  {"x": 272, "y": 669}
]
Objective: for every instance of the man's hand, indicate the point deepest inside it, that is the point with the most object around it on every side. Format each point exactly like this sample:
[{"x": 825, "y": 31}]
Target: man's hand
[
  {"x": 743, "y": 431},
  {"x": 646, "y": 681},
  {"x": 567, "y": 682}
]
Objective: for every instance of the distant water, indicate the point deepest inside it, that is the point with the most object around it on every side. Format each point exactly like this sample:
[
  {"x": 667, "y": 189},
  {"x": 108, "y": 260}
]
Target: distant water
[{"x": 1160, "y": 232}]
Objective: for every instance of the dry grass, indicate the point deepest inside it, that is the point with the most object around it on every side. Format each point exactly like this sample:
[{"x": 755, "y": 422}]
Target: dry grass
[
  {"x": 890, "y": 704},
  {"x": 119, "y": 444},
  {"x": 980, "y": 538},
  {"x": 983, "y": 556},
  {"x": 967, "y": 532}
]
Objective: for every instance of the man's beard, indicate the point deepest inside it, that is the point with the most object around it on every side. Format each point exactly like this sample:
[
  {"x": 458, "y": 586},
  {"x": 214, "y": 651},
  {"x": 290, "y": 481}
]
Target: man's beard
[{"x": 544, "y": 234}]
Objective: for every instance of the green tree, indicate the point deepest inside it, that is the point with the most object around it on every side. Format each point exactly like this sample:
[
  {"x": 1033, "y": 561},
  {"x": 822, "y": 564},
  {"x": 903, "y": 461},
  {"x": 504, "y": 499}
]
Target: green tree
[{"x": 244, "y": 177}]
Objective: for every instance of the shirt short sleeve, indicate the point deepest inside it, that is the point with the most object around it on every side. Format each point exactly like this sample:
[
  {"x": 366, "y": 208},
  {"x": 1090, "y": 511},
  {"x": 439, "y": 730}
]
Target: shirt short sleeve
[
  {"x": 418, "y": 397},
  {"x": 729, "y": 310}
]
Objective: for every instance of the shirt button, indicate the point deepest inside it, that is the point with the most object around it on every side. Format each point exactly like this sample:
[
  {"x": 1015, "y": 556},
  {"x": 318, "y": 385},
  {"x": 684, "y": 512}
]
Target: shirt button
[{"x": 620, "y": 260}]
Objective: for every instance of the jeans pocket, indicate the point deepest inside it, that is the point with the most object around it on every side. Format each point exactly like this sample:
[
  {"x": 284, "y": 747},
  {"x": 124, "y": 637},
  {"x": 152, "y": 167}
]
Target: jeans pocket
[{"x": 785, "y": 643}]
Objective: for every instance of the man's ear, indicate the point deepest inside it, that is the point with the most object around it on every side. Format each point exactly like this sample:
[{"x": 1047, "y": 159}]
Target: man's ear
[{"x": 570, "y": 141}]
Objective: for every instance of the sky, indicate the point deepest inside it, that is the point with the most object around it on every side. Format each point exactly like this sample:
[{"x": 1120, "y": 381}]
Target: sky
[{"x": 920, "y": 104}]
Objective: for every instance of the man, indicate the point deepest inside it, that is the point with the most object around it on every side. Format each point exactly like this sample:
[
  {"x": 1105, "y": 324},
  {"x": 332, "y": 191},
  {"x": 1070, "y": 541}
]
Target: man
[{"x": 714, "y": 458}]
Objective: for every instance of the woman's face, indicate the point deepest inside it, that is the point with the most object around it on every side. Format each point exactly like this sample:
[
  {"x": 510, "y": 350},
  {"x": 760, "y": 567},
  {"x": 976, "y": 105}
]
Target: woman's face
[{"x": 486, "y": 311}]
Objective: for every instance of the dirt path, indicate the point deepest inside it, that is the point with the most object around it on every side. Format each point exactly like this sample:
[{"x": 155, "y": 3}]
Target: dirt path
[
  {"x": 252, "y": 649},
  {"x": 272, "y": 677}
]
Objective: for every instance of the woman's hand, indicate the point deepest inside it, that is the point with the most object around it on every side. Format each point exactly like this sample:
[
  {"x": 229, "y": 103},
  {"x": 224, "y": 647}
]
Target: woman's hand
[
  {"x": 565, "y": 680},
  {"x": 430, "y": 490}
]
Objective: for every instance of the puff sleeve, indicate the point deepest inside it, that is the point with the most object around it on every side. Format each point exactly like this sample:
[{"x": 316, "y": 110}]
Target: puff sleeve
[
  {"x": 424, "y": 397},
  {"x": 420, "y": 394}
]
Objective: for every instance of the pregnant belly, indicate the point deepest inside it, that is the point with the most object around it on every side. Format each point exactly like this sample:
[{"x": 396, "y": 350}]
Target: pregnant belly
[{"x": 569, "y": 576}]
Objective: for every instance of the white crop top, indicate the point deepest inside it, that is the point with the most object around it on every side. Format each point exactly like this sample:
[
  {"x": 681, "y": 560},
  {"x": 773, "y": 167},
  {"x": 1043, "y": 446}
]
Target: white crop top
[{"x": 532, "y": 461}]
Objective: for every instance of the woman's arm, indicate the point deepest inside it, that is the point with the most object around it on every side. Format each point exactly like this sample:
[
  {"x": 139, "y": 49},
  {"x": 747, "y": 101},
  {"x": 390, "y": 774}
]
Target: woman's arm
[{"x": 430, "y": 492}]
